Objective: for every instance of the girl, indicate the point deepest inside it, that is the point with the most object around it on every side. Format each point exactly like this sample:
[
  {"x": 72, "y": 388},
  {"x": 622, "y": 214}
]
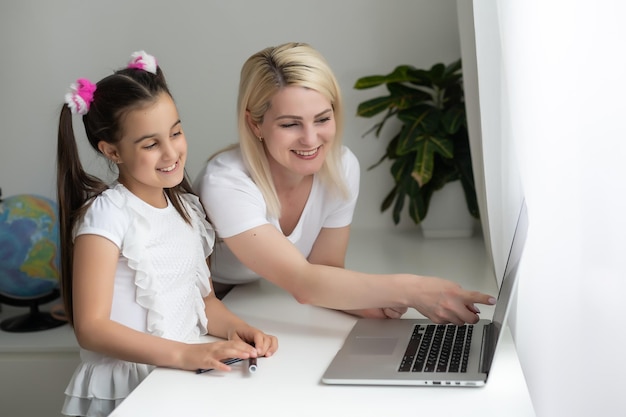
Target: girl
[
  {"x": 135, "y": 279},
  {"x": 292, "y": 188}
]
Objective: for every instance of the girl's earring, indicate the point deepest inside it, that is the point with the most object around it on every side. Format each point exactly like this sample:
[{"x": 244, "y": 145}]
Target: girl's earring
[{"x": 261, "y": 139}]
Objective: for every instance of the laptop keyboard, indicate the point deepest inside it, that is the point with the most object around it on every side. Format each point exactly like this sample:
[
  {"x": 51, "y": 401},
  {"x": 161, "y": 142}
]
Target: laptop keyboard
[{"x": 438, "y": 348}]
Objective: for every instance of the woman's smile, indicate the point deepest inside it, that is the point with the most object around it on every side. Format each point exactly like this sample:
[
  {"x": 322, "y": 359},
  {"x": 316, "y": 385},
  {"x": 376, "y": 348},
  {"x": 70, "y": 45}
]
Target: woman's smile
[{"x": 310, "y": 154}]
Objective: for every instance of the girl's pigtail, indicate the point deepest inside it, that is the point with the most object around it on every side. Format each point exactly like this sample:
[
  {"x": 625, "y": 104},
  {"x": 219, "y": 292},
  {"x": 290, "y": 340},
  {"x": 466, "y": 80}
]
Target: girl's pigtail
[
  {"x": 67, "y": 155},
  {"x": 74, "y": 188}
]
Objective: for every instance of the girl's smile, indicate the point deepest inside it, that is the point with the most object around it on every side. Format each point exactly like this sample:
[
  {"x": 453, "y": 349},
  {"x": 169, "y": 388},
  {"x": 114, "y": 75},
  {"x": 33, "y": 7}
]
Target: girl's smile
[
  {"x": 168, "y": 169},
  {"x": 152, "y": 152}
]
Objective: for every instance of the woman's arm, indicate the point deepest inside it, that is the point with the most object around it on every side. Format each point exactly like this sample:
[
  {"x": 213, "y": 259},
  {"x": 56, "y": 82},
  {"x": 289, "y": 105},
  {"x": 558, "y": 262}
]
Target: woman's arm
[
  {"x": 268, "y": 253},
  {"x": 330, "y": 249},
  {"x": 95, "y": 262}
]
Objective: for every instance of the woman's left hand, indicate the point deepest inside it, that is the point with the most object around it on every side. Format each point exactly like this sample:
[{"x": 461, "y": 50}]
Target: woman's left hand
[{"x": 379, "y": 313}]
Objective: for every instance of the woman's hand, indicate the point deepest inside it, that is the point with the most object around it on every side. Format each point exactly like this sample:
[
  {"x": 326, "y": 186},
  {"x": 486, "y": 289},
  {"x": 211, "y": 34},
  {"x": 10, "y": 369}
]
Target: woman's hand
[
  {"x": 379, "y": 313},
  {"x": 444, "y": 301}
]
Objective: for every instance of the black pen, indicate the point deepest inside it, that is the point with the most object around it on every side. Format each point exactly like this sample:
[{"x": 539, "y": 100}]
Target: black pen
[
  {"x": 252, "y": 364},
  {"x": 226, "y": 362}
]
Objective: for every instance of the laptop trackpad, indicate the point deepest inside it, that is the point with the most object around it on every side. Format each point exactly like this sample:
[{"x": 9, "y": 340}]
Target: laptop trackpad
[{"x": 374, "y": 345}]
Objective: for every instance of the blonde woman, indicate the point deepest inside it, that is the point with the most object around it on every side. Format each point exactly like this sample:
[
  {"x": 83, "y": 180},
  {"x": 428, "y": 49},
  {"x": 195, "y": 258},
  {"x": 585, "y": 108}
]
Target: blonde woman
[{"x": 282, "y": 200}]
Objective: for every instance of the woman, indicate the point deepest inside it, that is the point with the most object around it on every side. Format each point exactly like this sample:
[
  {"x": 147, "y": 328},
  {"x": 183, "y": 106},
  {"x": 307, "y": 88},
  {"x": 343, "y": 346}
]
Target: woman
[{"x": 282, "y": 200}]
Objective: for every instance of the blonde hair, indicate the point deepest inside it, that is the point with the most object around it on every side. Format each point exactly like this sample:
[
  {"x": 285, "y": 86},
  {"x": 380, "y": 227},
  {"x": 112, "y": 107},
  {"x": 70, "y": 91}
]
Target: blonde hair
[{"x": 262, "y": 76}]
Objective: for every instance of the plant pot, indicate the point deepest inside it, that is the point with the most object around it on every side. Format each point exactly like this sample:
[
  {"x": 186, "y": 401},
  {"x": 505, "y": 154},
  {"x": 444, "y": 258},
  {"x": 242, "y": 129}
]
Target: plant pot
[{"x": 448, "y": 216}]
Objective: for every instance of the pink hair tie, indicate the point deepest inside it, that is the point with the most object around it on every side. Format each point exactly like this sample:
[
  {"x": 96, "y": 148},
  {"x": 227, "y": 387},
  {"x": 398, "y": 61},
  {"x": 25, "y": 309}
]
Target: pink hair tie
[
  {"x": 143, "y": 61},
  {"x": 80, "y": 97}
]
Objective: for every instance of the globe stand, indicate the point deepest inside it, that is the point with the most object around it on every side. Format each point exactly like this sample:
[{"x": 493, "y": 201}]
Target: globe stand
[{"x": 33, "y": 321}]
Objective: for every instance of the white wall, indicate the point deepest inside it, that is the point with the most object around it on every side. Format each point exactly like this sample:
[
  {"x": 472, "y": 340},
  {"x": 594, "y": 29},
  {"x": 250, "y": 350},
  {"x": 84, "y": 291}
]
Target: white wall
[
  {"x": 552, "y": 90},
  {"x": 495, "y": 163},
  {"x": 45, "y": 45}
]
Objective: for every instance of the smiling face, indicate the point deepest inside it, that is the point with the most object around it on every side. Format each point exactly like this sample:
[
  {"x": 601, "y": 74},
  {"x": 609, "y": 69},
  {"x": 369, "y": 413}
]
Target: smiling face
[
  {"x": 298, "y": 130},
  {"x": 152, "y": 151}
]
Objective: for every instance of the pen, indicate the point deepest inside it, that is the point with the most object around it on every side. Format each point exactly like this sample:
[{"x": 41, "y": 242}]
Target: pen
[
  {"x": 226, "y": 362},
  {"x": 252, "y": 364}
]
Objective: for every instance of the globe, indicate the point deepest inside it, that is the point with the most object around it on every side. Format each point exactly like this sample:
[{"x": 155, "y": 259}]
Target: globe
[{"x": 29, "y": 259}]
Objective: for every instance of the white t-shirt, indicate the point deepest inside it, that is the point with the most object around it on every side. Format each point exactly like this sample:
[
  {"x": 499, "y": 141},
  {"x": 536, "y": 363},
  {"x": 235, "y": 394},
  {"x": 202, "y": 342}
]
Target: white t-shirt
[
  {"x": 234, "y": 204},
  {"x": 161, "y": 276}
]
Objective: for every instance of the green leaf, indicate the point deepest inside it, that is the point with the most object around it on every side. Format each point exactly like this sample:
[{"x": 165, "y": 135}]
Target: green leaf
[
  {"x": 390, "y": 113},
  {"x": 470, "y": 198},
  {"x": 397, "y": 208},
  {"x": 369, "y": 82},
  {"x": 453, "y": 119},
  {"x": 406, "y": 97},
  {"x": 436, "y": 73},
  {"x": 401, "y": 73},
  {"x": 425, "y": 159},
  {"x": 417, "y": 208},
  {"x": 400, "y": 97},
  {"x": 392, "y": 148},
  {"x": 374, "y": 106},
  {"x": 453, "y": 69},
  {"x": 389, "y": 199},
  {"x": 420, "y": 119},
  {"x": 402, "y": 167},
  {"x": 419, "y": 77}
]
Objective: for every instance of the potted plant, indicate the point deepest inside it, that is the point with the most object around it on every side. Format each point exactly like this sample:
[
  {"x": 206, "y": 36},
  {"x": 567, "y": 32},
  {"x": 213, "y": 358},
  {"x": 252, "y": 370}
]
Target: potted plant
[{"x": 431, "y": 148}]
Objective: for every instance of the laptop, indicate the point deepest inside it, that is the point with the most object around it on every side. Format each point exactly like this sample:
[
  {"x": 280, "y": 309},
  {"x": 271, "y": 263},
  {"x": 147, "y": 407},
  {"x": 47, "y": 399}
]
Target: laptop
[{"x": 420, "y": 352}]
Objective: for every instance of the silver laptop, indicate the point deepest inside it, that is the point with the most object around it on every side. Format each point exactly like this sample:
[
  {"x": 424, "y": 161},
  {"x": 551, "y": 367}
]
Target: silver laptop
[{"x": 419, "y": 352}]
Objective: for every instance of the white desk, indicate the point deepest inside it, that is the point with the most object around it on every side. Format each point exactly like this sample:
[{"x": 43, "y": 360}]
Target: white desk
[{"x": 288, "y": 383}]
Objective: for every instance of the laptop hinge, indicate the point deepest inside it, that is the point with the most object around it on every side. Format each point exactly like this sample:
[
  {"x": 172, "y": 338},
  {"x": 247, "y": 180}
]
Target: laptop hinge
[{"x": 486, "y": 355}]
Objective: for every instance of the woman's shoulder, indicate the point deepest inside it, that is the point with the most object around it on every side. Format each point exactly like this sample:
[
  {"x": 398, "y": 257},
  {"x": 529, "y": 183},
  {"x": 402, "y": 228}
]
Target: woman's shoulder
[
  {"x": 227, "y": 162},
  {"x": 229, "y": 159},
  {"x": 226, "y": 169},
  {"x": 348, "y": 156},
  {"x": 350, "y": 162}
]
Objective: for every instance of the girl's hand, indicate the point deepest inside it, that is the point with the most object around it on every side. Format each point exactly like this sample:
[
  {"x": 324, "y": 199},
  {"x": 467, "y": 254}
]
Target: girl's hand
[
  {"x": 211, "y": 355},
  {"x": 264, "y": 344}
]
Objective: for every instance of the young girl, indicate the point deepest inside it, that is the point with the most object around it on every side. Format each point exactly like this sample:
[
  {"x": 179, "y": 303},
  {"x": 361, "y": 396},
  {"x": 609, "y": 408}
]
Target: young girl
[{"x": 134, "y": 268}]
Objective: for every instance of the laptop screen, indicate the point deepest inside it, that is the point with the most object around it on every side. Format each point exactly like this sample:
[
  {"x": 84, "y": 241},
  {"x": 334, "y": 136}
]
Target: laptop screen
[{"x": 509, "y": 280}]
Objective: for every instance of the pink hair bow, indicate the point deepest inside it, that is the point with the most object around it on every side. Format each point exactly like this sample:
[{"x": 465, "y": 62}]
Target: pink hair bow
[
  {"x": 143, "y": 61},
  {"x": 80, "y": 97}
]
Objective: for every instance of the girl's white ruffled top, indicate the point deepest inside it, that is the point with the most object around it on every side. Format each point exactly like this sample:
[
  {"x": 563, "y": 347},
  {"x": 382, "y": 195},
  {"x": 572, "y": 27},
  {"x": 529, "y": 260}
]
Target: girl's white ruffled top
[{"x": 161, "y": 280}]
